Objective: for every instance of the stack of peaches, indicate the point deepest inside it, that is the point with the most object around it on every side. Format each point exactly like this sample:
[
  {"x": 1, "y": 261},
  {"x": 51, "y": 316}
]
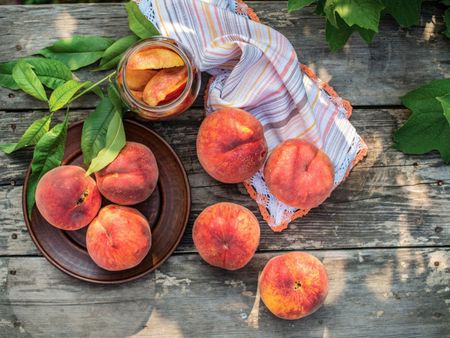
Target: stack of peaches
[
  {"x": 231, "y": 148},
  {"x": 118, "y": 236},
  {"x": 155, "y": 76}
]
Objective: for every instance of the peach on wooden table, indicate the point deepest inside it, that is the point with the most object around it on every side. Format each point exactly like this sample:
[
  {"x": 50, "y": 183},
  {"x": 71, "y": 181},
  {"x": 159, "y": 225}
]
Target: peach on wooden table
[
  {"x": 67, "y": 198},
  {"x": 165, "y": 84},
  {"x": 154, "y": 58},
  {"x": 119, "y": 238},
  {"x": 299, "y": 174},
  {"x": 131, "y": 177},
  {"x": 293, "y": 285},
  {"x": 226, "y": 235},
  {"x": 230, "y": 145}
]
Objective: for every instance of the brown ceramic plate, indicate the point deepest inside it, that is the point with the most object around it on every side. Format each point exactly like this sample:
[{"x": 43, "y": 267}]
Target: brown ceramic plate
[{"x": 167, "y": 211}]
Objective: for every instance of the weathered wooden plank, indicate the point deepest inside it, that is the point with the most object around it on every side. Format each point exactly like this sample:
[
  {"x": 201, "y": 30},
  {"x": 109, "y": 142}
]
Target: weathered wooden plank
[
  {"x": 390, "y": 199},
  {"x": 367, "y": 75},
  {"x": 373, "y": 293}
]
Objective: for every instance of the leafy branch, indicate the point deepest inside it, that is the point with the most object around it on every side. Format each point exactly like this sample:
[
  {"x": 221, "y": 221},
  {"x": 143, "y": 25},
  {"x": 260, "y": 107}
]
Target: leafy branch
[{"x": 49, "y": 77}]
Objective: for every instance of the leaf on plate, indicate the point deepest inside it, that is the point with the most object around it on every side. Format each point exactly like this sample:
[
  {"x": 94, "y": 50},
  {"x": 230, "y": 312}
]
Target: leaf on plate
[
  {"x": 138, "y": 23},
  {"x": 115, "y": 141},
  {"x": 298, "y": 4},
  {"x": 113, "y": 53},
  {"x": 95, "y": 126},
  {"x": 48, "y": 154},
  {"x": 405, "y": 12},
  {"x": 77, "y": 51},
  {"x": 445, "y": 102},
  {"x": 427, "y": 128},
  {"x": 52, "y": 73},
  {"x": 28, "y": 81},
  {"x": 31, "y": 136},
  {"x": 64, "y": 93},
  {"x": 364, "y": 13}
]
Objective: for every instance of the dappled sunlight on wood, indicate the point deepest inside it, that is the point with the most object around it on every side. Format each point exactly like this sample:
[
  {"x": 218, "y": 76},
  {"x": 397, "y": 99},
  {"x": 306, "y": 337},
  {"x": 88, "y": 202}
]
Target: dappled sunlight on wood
[
  {"x": 380, "y": 282},
  {"x": 429, "y": 31},
  {"x": 336, "y": 278},
  {"x": 164, "y": 328},
  {"x": 65, "y": 25}
]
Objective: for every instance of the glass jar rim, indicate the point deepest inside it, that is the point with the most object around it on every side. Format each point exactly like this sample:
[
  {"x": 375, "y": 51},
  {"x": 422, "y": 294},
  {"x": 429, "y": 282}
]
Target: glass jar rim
[{"x": 166, "y": 42}]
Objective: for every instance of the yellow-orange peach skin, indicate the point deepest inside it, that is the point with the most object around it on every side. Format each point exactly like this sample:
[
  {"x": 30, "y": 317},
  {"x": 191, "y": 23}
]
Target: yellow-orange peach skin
[
  {"x": 119, "y": 238},
  {"x": 293, "y": 285},
  {"x": 226, "y": 235},
  {"x": 299, "y": 174},
  {"x": 131, "y": 177},
  {"x": 154, "y": 58},
  {"x": 230, "y": 145},
  {"x": 67, "y": 198}
]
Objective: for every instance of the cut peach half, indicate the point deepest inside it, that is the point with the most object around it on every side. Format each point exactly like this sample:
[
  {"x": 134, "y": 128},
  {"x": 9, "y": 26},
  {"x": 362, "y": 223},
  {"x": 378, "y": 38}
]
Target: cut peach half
[
  {"x": 137, "y": 79},
  {"x": 137, "y": 94},
  {"x": 154, "y": 58},
  {"x": 164, "y": 84}
]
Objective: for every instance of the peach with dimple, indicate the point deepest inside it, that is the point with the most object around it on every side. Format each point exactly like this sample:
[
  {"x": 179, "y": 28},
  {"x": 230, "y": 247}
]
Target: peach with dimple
[
  {"x": 67, "y": 198},
  {"x": 299, "y": 174},
  {"x": 293, "y": 285},
  {"x": 226, "y": 235},
  {"x": 119, "y": 238},
  {"x": 131, "y": 177},
  {"x": 166, "y": 84},
  {"x": 230, "y": 145},
  {"x": 154, "y": 58}
]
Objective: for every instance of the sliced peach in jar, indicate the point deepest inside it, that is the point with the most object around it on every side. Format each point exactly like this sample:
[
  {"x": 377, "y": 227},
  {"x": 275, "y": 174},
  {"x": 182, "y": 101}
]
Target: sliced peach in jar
[
  {"x": 137, "y": 79},
  {"x": 137, "y": 94},
  {"x": 164, "y": 84},
  {"x": 154, "y": 58}
]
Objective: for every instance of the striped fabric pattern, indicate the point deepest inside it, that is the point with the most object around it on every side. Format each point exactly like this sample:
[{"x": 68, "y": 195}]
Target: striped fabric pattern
[{"x": 255, "y": 68}]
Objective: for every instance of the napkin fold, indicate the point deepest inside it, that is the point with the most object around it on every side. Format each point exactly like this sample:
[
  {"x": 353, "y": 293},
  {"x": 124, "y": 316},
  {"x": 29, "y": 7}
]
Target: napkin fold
[{"x": 255, "y": 68}]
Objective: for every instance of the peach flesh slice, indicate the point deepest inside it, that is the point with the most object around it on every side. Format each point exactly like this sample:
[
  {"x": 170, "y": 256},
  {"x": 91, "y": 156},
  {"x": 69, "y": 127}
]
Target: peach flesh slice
[
  {"x": 154, "y": 58},
  {"x": 163, "y": 84}
]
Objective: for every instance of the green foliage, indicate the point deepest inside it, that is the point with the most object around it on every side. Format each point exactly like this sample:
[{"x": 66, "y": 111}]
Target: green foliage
[
  {"x": 447, "y": 22},
  {"x": 113, "y": 53},
  {"x": 48, "y": 154},
  {"x": 77, "y": 51},
  {"x": 138, "y": 23},
  {"x": 63, "y": 94},
  {"x": 428, "y": 127},
  {"x": 28, "y": 81},
  {"x": 344, "y": 17}
]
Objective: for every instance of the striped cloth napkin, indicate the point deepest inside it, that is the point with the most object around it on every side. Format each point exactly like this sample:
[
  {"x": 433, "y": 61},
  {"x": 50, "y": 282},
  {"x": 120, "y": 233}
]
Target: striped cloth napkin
[{"x": 255, "y": 68}]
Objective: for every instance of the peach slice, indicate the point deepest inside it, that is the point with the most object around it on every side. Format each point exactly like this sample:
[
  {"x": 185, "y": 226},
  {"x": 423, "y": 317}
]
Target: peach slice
[
  {"x": 163, "y": 84},
  {"x": 137, "y": 94},
  {"x": 137, "y": 79},
  {"x": 154, "y": 58}
]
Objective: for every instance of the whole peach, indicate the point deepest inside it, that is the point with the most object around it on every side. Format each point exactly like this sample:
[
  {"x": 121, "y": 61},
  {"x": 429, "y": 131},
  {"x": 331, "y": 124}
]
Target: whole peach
[
  {"x": 299, "y": 174},
  {"x": 119, "y": 238},
  {"x": 293, "y": 285},
  {"x": 226, "y": 235},
  {"x": 67, "y": 198},
  {"x": 131, "y": 177},
  {"x": 230, "y": 145}
]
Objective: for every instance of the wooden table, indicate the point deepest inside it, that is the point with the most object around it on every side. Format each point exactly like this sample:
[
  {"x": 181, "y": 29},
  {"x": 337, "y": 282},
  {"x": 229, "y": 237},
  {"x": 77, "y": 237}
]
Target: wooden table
[{"x": 384, "y": 235}]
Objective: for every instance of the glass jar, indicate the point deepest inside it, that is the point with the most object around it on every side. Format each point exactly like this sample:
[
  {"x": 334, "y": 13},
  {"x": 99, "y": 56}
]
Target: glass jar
[{"x": 177, "y": 105}]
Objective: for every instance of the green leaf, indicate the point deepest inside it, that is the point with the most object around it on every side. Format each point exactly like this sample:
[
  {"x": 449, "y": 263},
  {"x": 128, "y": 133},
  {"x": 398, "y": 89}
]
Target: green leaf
[
  {"x": 405, "y": 12},
  {"x": 447, "y": 22},
  {"x": 298, "y": 4},
  {"x": 445, "y": 102},
  {"x": 28, "y": 81},
  {"x": 364, "y": 13},
  {"x": 52, "y": 73},
  {"x": 320, "y": 8},
  {"x": 138, "y": 23},
  {"x": 112, "y": 55},
  {"x": 337, "y": 37},
  {"x": 95, "y": 126},
  {"x": 424, "y": 132},
  {"x": 115, "y": 141},
  {"x": 31, "y": 136},
  {"x": 446, "y": 2},
  {"x": 366, "y": 34},
  {"x": 62, "y": 95},
  {"x": 48, "y": 154},
  {"x": 77, "y": 51},
  {"x": 424, "y": 98},
  {"x": 115, "y": 98}
]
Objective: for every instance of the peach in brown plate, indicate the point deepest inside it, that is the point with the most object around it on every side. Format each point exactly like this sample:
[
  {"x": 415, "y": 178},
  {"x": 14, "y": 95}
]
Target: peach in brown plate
[{"x": 166, "y": 211}]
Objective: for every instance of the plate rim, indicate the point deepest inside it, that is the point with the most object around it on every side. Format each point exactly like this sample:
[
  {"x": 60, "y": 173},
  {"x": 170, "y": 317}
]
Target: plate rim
[{"x": 123, "y": 280}]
